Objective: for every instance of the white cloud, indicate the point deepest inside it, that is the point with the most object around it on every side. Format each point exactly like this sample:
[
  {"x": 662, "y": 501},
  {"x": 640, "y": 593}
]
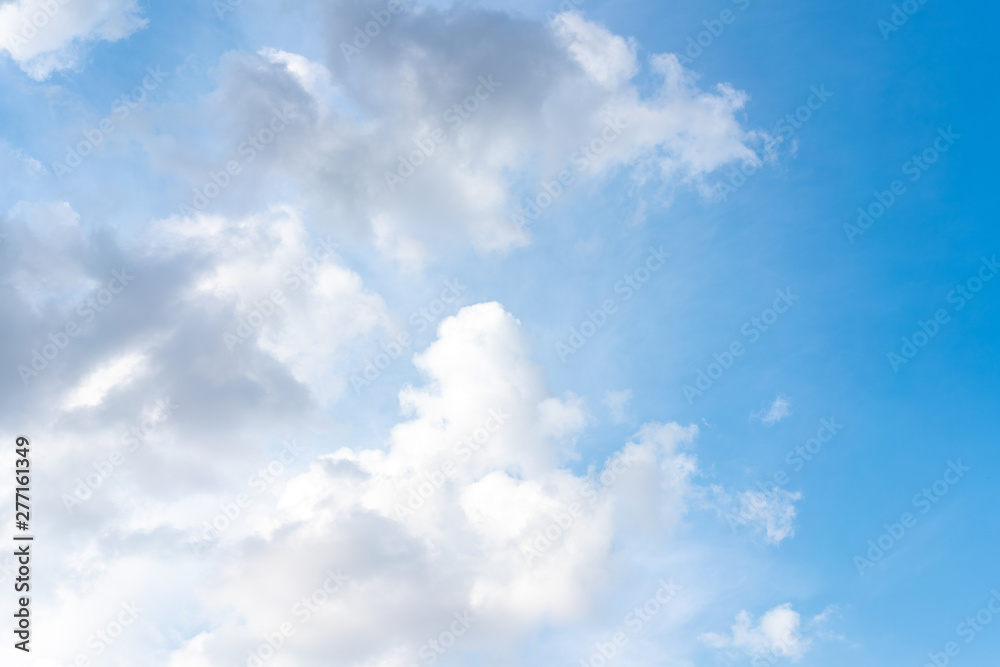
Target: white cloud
[
  {"x": 322, "y": 307},
  {"x": 357, "y": 502},
  {"x": 56, "y": 223},
  {"x": 770, "y": 512},
  {"x": 311, "y": 76},
  {"x": 555, "y": 87},
  {"x": 95, "y": 387},
  {"x": 778, "y": 410},
  {"x": 773, "y": 512},
  {"x": 415, "y": 556},
  {"x": 562, "y": 418},
  {"x": 470, "y": 541},
  {"x": 43, "y": 36},
  {"x": 776, "y": 635},
  {"x": 607, "y": 59}
]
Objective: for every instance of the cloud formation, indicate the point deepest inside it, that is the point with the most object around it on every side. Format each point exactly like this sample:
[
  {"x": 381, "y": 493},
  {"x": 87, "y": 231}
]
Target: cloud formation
[
  {"x": 776, "y": 635},
  {"x": 452, "y": 124},
  {"x": 778, "y": 410},
  {"x": 188, "y": 373},
  {"x": 43, "y": 36},
  {"x": 472, "y": 507}
]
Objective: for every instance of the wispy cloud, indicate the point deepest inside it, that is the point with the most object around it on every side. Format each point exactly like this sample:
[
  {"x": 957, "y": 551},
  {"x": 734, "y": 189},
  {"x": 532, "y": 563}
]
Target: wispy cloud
[
  {"x": 778, "y": 410},
  {"x": 776, "y": 635}
]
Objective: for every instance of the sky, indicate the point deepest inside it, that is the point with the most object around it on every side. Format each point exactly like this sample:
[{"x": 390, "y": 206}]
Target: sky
[{"x": 389, "y": 333}]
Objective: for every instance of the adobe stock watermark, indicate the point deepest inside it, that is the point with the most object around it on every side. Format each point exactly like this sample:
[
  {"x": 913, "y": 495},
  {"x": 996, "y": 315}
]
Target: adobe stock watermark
[
  {"x": 432, "y": 482},
  {"x": 772, "y": 489},
  {"x": 432, "y": 650},
  {"x": 231, "y": 510},
  {"x": 533, "y": 207},
  {"x": 545, "y": 538},
  {"x": 302, "y": 612},
  {"x": 372, "y": 29},
  {"x": 785, "y": 129},
  {"x": 927, "y": 330},
  {"x": 300, "y": 273},
  {"x": 31, "y": 25},
  {"x": 88, "y": 310},
  {"x": 627, "y": 287},
  {"x": 131, "y": 439},
  {"x": 635, "y": 622},
  {"x": 899, "y": 17},
  {"x": 752, "y": 330},
  {"x": 419, "y": 320},
  {"x": 915, "y": 167},
  {"x": 246, "y": 151},
  {"x": 778, "y": 650},
  {"x": 427, "y": 144},
  {"x": 924, "y": 500},
  {"x": 968, "y": 630},
  {"x": 697, "y": 44},
  {"x": 120, "y": 109},
  {"x": 101, "y": 640}
]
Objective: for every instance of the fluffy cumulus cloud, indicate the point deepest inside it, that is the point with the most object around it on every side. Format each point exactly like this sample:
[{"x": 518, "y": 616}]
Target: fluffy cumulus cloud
[
  {"x": 249, "y": 319},
  {"x": 467, "y": 510},
  {"x": 161, "y": 444},
  {"x": 153, "y": 375},
  {"x": 43, "y": 36},
  {"x": 455, "y": 125},
  {"x": 185, "y": 377}
]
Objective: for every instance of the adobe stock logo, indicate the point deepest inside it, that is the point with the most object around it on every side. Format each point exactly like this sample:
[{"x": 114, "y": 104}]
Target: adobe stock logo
[
  {"x": 429, "y": 483},
  {"x": 784, "y": 130},
  {"x": 752, "y": 329},
  {"x": 579, "y": 162},
  {"x": 303, "y": 611},
  {"x": 420, "y": 319},
  {"x": 636, "y": 621},
  {"x": 926, "y": 330},
  {"x": 372, "y": 29},
  {"x": 231, "y": 510},
  {"x": 628, "y": 286},
  {"x": 120, "y": 110},
  {"x": 432, "y": 650},
  {"x": 105, "y": 467},
  {"x": 899, "y": 17},
  {"x": 968, "y": 630},
  {"x": 915, "y": 168},
  {"x": 427, "y": 144},
  {"x": 30, "y": 26},
  {"x": 88, "y": 310},
  {"x": 101, "y": 640},
  {"x": 217, "y": 181},
  {"x": 299, "y": 274},
  {"x": 563, "y": 521},
  {"x": 924, "y": 500},
  {"x": 714, "y": 28}
]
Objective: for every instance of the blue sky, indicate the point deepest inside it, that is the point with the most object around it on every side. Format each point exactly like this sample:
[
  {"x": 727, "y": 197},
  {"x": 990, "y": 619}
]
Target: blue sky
[{"x": 764, "y": 576}]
